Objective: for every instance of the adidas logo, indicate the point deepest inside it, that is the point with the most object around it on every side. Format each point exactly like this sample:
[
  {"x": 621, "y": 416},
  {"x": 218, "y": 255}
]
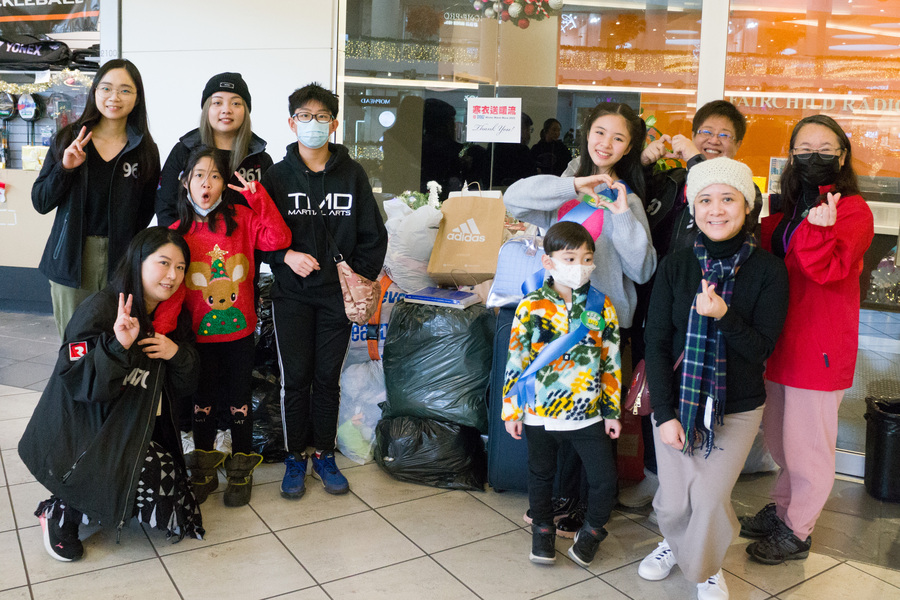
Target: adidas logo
[{"x": 466, "y": 232}]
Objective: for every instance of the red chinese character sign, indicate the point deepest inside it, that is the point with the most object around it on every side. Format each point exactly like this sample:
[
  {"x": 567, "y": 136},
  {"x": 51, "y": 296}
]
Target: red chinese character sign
[{"x": 494, "y": 120}]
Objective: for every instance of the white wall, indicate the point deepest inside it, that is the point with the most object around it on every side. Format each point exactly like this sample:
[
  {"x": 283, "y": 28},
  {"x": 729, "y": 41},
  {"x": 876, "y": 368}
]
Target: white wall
[{"x": 277, "y": 45}]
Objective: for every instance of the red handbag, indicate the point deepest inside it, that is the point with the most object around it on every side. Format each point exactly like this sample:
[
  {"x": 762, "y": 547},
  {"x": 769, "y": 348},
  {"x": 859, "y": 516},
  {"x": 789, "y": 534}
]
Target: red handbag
[{"x": 638, "y": 399}]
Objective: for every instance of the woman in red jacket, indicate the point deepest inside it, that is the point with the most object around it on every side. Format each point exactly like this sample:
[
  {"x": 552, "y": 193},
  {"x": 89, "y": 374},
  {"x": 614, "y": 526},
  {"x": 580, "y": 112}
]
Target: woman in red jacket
[{"x": 822, "y": 234}]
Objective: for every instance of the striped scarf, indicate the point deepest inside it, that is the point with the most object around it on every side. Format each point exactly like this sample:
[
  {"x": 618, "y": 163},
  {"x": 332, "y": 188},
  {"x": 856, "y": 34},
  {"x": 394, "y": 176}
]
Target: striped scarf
[{"x": 703, "y": 372}]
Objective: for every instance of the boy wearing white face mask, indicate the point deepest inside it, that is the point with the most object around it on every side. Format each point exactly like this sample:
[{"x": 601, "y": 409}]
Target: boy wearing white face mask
[
  {"x": 319, "y": 190},
  {"x": 574, "y": 397}
]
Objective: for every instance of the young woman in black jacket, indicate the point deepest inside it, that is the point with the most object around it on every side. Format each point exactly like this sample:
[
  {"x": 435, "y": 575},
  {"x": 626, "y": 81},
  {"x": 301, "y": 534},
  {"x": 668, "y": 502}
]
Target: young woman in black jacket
[
  {"x": 100, "y": 175},
  {"x": 102, "y": 438},
  {"x": 225, "y": 126}
]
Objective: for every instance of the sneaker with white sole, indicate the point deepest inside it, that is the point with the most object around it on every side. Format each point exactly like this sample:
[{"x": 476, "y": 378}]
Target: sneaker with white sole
[
  {"x": 658, "y": 564},
  {"x": 61, "y": 543},
  {"x": 713, "y": 588}
]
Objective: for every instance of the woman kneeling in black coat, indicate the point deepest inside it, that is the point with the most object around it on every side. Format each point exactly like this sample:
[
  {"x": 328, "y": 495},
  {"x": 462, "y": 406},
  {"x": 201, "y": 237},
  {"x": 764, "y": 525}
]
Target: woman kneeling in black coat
[{"x": 102, "y": 438}]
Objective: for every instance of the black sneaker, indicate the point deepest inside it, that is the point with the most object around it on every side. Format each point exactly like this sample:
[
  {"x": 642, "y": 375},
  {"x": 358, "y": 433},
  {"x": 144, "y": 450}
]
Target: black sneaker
[
  {"x": 543, "y": 548},
  {"x": 779, "y": 546},
  {"x": 61, "y": 543},
  {"x": 587, "y": 539},
  {"x": 761, "y": 524},
  {"x": 561, "y": 508},
  {"x": 569, "y": 525}
]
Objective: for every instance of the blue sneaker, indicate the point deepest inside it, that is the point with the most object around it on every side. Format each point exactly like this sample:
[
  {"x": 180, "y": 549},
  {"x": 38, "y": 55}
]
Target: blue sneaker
[
  {"x": 292, "y": 486},
  {"x": 326, "y": 469}
]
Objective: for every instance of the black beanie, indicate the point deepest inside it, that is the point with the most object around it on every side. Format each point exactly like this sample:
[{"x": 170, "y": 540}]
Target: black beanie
[{"x": 227, "y": 82}]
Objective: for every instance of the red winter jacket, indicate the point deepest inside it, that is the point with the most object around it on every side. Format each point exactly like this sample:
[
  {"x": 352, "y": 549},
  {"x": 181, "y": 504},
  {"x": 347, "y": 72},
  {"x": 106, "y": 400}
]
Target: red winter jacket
[{"x": 817, "y": 347}]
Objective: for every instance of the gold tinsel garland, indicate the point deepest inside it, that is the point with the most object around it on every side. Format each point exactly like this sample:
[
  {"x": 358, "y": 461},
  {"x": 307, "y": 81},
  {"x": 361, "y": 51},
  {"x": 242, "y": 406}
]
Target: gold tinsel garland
[{"x": 65, "y": 77}]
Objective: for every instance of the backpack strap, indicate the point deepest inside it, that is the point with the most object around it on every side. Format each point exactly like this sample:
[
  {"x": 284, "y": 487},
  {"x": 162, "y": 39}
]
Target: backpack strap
[{"x": 524, "y": 387}]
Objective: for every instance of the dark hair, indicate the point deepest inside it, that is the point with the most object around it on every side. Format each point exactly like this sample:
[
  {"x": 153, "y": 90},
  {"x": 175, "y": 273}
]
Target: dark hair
[
  {"x": 547, "y": 124},
  {"x": 721, "y": 108},
  {"x": 845, "y": 183},
  {"x": 438, "y": 117},
  {"x": 313, "y": 91},
  {"x": 225, "y": 209},
  {"x": 148, "y": 155},
  {"x": 629, "y": 167},
  {"x": 128, "y": 277},
  {"x": 567, "y": 235}
]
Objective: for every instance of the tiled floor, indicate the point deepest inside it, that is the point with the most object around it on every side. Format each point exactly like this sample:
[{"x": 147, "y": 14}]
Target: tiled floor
[{"x": 388, "y": 539}]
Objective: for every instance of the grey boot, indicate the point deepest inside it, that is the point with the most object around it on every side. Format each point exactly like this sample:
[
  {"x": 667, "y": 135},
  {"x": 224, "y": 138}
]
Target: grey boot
[
  {"x": 239, "y": 469},
  {"x": 203, "y": 464}
]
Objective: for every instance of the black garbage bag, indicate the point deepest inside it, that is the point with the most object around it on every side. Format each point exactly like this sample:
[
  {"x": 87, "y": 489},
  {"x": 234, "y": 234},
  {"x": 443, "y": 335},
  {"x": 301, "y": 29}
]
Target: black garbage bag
[
  {"x": 882, "y": 474},
  {"x": 266, "y": 350},
  {"x": 268, "y": 438},
  {"x": 437, "y": 363},
  {"x": 431, "y": 453}
]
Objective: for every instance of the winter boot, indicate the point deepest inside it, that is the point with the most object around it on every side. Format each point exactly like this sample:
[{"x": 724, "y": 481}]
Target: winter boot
[
  {"x": 239, "y": 469},
  {"x": 204, "y": 479}
]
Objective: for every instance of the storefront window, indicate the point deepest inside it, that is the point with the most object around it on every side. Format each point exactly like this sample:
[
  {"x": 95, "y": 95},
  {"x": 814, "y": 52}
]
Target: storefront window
[{"x": 407, "y": 60}]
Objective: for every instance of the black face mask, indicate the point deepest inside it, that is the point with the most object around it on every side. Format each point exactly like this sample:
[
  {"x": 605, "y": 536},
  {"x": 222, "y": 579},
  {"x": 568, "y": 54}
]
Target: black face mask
[{"x": 817, "y": 169}]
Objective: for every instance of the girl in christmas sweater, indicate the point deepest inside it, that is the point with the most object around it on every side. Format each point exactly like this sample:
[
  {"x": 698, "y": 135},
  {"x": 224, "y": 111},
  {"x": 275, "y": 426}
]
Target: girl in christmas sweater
[{"x": 222, "y": 237}]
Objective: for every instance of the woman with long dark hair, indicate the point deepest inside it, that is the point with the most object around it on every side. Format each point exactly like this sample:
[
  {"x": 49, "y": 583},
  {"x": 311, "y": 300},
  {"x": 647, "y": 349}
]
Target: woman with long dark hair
[
  {"x": 100, "y": 175},
  {"x": 102, "y": 438},
  {"x": 609, "y": 171},
  {"x": 822, "y": 233}
]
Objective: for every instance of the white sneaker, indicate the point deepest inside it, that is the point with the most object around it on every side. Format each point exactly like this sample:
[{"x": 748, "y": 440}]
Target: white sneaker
[
  {"x": 187, "y": 441},
  {"x": 641, "y": 494},
  {"x": 658, "y": 564},
  {"x": 713, "y": 588},
  {"x": 223, "y": 441}
]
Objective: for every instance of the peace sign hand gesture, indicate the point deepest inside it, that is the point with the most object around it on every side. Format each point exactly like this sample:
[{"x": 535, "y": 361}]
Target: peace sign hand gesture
[
  {"x": 126, "y": 327},
  {"x": 74, "y": 156},
  {"x": 825, "y": 214},
  {"x": 246, "y": 186}
]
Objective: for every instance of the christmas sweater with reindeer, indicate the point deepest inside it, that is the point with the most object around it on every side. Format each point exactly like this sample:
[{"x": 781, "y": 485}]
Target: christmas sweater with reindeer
[
  {"x": 585, "y": 382},
  {"x": 219, "y": 280}
]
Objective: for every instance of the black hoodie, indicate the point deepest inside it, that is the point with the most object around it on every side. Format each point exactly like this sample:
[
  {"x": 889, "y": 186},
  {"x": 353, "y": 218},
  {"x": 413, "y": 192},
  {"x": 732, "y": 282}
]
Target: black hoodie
[
  {"x": 252, "y": 168},
  {"x": 338, "y": 197}
]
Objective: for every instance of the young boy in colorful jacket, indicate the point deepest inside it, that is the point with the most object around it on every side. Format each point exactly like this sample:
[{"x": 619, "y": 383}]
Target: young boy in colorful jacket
[{"x": 574, "y": 397}]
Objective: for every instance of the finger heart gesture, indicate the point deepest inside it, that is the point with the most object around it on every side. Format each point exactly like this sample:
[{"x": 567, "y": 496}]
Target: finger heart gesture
[{"x": 825, "y": 215}]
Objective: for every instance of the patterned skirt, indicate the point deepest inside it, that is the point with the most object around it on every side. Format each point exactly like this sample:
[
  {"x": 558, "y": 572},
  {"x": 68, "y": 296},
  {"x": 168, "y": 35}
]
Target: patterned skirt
[{"x": 164, "y": 499}]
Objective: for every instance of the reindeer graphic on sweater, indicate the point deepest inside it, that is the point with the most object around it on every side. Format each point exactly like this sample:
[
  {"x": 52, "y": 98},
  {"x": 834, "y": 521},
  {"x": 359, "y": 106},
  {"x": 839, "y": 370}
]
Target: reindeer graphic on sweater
[{"x": 218, "y": 281}]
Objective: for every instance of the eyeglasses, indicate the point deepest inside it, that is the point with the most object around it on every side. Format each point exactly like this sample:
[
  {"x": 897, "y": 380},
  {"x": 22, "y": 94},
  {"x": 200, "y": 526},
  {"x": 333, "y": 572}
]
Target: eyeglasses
[
  {"x": 722, "y": 137},
  {"x": 806, "y": 154},
  {"x": 305, "y": 117}
]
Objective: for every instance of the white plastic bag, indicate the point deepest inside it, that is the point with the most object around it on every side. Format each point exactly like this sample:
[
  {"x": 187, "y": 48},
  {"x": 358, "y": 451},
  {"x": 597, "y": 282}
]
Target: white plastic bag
[
  {"x": 362, "y": 389},
  {"x": 411, "y": 235}
]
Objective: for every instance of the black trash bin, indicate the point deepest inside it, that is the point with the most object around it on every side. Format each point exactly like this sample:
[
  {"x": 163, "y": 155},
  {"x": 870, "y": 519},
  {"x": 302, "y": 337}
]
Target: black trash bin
[{"x": 883, "y": 449}]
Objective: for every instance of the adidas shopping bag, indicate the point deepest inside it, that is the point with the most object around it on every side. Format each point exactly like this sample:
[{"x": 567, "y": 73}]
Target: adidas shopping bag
[{"x": 468, "y": 241}]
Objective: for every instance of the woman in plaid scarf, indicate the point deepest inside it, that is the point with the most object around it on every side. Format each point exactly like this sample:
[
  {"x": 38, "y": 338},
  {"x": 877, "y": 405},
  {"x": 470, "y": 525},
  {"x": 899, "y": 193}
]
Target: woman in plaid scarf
[{"x": 722, "y": 304}]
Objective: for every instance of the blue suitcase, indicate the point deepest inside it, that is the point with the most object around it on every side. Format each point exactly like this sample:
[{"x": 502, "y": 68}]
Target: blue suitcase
[{"x": 507, "y": 458}]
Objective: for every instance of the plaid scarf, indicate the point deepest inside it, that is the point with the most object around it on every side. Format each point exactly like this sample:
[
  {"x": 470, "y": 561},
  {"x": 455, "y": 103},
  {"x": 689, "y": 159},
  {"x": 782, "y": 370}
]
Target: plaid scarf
[{"x": 703, "y": 373}]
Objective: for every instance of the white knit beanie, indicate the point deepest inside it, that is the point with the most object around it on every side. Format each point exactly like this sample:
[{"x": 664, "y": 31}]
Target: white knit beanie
[{"x": 720, "y": 170}]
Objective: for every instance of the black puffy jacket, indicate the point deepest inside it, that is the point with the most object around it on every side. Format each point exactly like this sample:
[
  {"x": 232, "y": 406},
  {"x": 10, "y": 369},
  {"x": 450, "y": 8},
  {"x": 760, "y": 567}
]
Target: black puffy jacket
[{"x": 90, "y": 431}]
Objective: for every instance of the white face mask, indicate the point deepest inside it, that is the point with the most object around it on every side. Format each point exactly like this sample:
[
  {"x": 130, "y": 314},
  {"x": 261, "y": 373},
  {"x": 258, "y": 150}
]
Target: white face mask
[
  {"x": 203, "y": 212},
  {"x": 572, "y": 276},
  {"x": 313, "y": 134}
]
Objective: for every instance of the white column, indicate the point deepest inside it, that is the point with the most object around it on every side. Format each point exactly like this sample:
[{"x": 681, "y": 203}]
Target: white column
[
  {"x": 713, "y": 50},
  {"x": 110, "y": 30}
]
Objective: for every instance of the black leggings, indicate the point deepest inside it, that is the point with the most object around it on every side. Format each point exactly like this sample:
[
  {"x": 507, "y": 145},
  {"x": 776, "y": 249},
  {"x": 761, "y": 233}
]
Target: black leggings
[{"x": 226, "y": 371}]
